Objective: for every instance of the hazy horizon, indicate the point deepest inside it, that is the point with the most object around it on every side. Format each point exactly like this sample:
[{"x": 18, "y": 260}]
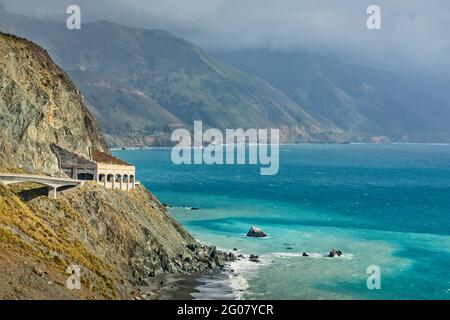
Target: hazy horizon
[{"x": 413, "y": 34}]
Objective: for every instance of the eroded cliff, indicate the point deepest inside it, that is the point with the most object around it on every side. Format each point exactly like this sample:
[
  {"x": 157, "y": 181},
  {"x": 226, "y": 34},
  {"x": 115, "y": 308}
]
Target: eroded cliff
[
  {"x": 39, "y": 105},
  {"x": 116, "y": 238}
]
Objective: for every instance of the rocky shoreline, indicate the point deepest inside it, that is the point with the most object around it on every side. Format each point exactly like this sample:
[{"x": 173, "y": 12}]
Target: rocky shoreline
[
  {"x": 184, "y": 286},
  {"x": 181, "y": 286}
]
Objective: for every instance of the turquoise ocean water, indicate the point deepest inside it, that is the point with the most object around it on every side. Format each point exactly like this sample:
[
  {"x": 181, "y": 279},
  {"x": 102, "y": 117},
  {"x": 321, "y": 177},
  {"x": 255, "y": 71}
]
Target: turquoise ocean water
[{"x": 384, "y": 205}]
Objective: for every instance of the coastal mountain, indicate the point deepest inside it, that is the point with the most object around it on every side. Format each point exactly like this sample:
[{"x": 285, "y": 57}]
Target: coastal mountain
[
  {"x": 117, "y": 239},
  {"x": 361, "y": 101},
  {"x": 151, "y": 81},
  {"x": 141, "y": 84}
]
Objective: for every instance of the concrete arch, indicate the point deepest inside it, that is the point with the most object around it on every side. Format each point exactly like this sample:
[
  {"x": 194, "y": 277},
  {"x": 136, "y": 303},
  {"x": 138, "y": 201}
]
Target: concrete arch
[{"x": 117, "y": 178}]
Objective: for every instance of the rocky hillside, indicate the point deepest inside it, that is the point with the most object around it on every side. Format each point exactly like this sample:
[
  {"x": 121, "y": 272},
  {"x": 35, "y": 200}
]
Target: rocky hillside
[
  {"x": 117, "y": 238},
  {"x": 141, "y": 84},
  {"x": 39, "y": 105}
]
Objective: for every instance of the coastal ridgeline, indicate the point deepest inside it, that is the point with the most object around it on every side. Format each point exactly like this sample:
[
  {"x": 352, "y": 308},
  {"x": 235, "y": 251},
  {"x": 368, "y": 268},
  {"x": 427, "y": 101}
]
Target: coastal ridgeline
[{"x": 117, "y": 239}]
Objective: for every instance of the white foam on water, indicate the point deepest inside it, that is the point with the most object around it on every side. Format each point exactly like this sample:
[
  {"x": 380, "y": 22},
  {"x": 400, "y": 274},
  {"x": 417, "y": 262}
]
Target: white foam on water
[
  {"x": 214, "y": 288},
  {"x": 312, "y": 255},
  {"x": 233, "y": 283},
  {"x": 240, "y": 271}
]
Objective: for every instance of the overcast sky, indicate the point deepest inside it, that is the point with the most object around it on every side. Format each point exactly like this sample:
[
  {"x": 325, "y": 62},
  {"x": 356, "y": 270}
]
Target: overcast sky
[{"x": 414, "y": 32}]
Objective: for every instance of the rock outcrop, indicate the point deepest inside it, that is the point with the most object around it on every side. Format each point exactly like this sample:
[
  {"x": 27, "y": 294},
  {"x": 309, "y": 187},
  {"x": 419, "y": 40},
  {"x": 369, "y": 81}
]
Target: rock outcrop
[
  {"x": 334, "y": 253},
  {"x": 39, "y": 105},
  {"x": 256, "y": 233}
]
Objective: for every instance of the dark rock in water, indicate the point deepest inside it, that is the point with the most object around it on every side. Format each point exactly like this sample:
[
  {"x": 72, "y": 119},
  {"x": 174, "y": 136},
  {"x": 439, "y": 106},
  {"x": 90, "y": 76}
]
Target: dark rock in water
[
  {"x": 254, "y": 258},
  {"x": 192, "y": 208},
  {"x": 235, "y": 249},
  {"x": 305, "y": 254},
  {"x": 256, "y": 233},
  {"x": 230, "y": 257},
  {"x": 335, "y": 253},
  {"x": 165, "y": 205},
  {"x": 289, "y": 248}
]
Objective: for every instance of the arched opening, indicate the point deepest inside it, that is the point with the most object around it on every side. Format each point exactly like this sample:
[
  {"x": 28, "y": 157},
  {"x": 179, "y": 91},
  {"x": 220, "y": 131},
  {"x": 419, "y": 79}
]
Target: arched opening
[
  {"x": 125, "y": 178},
  {"x": 85, "y": 176},
  {"x": 131, "y": 178},
  {"x": 101, "y": 177},
  {"x": 118, "y": 177},
  {"x": 110, "y": 177}
]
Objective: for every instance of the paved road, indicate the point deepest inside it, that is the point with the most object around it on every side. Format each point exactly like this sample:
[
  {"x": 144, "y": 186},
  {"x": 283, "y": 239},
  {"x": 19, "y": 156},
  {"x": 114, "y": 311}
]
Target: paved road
[{"x": 52, "y": 183}]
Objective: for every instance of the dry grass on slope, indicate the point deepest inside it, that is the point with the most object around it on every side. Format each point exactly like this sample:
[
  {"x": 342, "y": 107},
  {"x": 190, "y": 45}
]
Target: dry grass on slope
[{"x": 25, "y": 232}]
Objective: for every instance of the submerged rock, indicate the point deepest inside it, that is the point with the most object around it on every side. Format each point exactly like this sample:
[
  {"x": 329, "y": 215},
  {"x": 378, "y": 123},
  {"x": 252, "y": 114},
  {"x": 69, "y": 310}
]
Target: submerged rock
[
  {"x": 253, "y": 258},
  {"x": 192, "y": 208},
  {"x": 335, "y": 253},
  {"x": 256, "y": 233},
  {"x": 305, "y": 254}
]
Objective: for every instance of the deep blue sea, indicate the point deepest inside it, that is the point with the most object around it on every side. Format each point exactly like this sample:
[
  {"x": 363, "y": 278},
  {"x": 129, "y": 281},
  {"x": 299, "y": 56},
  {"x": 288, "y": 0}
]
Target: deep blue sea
[{"x": 383, "y": 205}]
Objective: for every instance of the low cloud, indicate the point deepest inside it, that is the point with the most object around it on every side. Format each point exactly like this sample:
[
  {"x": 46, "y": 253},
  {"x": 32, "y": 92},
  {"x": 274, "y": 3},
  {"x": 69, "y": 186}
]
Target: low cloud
[{"x": 414, "y": 32}]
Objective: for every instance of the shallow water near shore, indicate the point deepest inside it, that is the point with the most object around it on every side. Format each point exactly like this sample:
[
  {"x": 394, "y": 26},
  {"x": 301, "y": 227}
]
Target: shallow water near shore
[{"x": 384, "y": 205}]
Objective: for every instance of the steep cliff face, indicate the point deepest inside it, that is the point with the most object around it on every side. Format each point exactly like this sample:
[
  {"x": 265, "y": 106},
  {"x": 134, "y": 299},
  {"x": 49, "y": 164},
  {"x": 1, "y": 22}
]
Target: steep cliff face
[
  {"x": 39, "y": 105},
  {"x": 116, "y": 238}
]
